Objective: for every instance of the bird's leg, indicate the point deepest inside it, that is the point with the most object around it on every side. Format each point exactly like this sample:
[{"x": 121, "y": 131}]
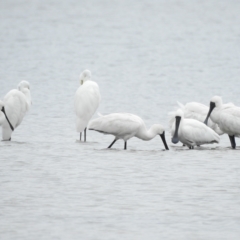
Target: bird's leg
[
  {"x": 125, "y": 145},
  {"x": 232, "y": 140},
  {"x": 9, "y": 139},
  {"x": 112, "y": 143},
  {"x": 85, "y": 134},
  {"x": 80, "y": 136}
]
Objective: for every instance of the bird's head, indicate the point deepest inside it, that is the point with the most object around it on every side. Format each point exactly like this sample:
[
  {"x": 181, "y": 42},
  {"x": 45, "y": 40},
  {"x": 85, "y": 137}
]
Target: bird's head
[
  {"x": 158, "y": 129},
  {"x": 216, "y": 101},
  {"x": 85, "y": 76},
  {"x": 179, "y": 113},
  {"x": 23, "y": 85}
]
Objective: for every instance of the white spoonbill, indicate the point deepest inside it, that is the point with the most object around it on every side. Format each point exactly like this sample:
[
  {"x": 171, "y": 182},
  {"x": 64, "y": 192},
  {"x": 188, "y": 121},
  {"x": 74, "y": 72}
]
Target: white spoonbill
[
  {"x": 226, "y": 116},
  {"x": 191, "y": 132},
  {"x": 86, "y": 101},
  {"x": 197, "y": 111},
  {"x": 125, "y": 126},
  {"x": 16, "y": 104}
]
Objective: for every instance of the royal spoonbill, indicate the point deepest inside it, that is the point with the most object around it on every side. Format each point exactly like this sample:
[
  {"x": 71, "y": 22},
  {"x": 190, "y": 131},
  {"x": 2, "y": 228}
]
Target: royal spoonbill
[
  {"x": 86, "y": 101},
  {"x": 16, "y": 104},
  {"x": 191, "y": 132},
  {"x": 125, "y": 126},
  {"x": 197, "y": 111},
  {"x": 226, "y": 116}
]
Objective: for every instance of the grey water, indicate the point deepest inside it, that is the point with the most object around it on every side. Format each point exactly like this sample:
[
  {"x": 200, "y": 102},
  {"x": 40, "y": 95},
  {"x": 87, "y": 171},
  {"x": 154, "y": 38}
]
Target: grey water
[{"x": 145, "y": 56}]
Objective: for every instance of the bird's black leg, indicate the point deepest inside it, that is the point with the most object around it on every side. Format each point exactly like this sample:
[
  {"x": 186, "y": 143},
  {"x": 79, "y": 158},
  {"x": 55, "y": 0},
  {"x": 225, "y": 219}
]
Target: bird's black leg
[
  {"x": 10, "y": 139},
  {"x": 232, "y": 140},
  {"x": 85, "y": 134},
  {"x": 112, "y": 143},
  {"x": 125, "y": 145},
  {"x": 80, "y": 136}
]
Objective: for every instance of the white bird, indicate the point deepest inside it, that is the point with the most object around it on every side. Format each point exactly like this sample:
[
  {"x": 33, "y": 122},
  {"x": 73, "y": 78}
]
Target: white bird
[
  {"x": 86, "y": 101},
  {"x": 16, "y": 104},
  {"x": 226, "y": 116},
  {"x": 197, "y": 111},
  {"x": 2, "y": 115},
  {"x": 192, "y": 132},
  {"x": 125, "y": 126}
]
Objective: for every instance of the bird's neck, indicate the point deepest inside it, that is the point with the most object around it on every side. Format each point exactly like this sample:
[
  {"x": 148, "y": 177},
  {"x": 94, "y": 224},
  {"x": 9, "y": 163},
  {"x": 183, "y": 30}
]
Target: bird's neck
[
  {"x": 215, "y": 115},
  {"x": 27, "y": 94},
  {"x": 146, "y": 135}
]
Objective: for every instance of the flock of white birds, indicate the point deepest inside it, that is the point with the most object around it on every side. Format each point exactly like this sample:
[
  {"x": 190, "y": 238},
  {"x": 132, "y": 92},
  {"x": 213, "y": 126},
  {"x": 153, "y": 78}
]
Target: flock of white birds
[{"x": 193, "y": 124}]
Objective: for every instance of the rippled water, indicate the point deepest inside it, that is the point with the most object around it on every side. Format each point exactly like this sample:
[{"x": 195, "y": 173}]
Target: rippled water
[{"x": 145, "y": 56}]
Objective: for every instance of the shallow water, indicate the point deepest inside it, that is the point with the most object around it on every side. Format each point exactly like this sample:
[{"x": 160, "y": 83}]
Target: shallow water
[{"x": 145, "y": 56}]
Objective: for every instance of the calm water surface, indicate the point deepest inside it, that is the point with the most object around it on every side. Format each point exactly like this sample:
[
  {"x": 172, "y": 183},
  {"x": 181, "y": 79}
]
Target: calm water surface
[{"x": 145, "y": 56}]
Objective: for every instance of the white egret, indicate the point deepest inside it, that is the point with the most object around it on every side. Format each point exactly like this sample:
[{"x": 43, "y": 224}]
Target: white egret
[
  {"x": 16, "y": 104},
  {"x": 226, "y": 116},
  {"x": 86, "y": 101},
  {"x": 191, "y": 132},
  {"x": 125, "y": 126}
]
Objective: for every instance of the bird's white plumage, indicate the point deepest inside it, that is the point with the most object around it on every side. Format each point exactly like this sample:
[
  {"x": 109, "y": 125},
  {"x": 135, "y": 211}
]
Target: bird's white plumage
[
  {"x": 227, "y": 116},
  {"x": 197, "y": 111},
  {"x": 192, "y": 132},
  {"x": 2, "y": 116},
  {"x": 86, "y": 101},
  {"x": 121, "y": 125},
  {"x": 125, "y": 126},
  {"x": 16, "y": 104}
]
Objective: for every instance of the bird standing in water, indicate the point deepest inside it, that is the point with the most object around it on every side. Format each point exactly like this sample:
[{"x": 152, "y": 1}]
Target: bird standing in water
[
  {"x": 191, "y": 132},
  {"x": 86, "y": 101},
  {"x": 15, "y": 105},
  {"x": 226, "y": 116},
  {"x": 125, "y": 126}
]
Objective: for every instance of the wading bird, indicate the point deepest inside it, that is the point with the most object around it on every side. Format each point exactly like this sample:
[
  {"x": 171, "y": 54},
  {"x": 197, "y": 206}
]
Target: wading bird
[
  {"x": 226, "y": 116},
  {"x": 15, "y": 105},
  {"x": 192, "y": 132},
  {"x": 197, "y": 111},
  {"x": 86, "y": 101},
  {"x": 125, "y": 126}
]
